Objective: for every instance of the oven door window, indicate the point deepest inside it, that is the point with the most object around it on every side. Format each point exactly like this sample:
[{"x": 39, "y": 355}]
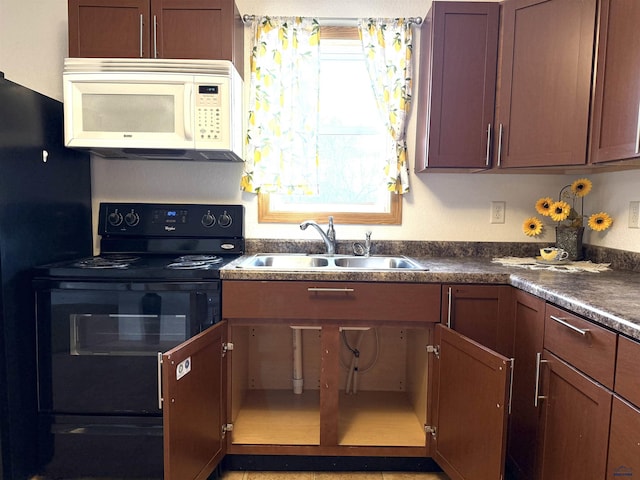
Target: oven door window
[{"x": 98, "y": 349}]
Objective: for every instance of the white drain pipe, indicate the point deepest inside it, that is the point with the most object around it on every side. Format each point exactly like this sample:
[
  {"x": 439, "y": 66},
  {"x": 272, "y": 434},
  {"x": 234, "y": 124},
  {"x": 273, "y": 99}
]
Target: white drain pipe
[{"x": 298, "y": 380}]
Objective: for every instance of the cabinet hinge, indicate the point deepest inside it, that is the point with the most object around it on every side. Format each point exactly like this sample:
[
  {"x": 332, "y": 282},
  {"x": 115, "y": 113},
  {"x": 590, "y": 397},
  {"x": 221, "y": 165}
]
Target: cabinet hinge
[
  {"x": 431, "y": 430},
  {"x": 226, "y": 347},
  {"x": 227, "y": 427},
  {"x": 435, "y": 349}
]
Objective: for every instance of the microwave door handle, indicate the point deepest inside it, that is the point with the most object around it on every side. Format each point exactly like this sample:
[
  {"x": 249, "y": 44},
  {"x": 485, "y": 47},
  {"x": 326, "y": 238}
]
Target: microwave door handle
[{"x": 189, "y": 117}]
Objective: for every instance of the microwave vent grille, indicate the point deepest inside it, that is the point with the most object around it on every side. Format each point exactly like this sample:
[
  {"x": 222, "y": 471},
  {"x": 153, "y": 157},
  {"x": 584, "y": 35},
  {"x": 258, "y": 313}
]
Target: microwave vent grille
[{"x": 149, "y": 65}]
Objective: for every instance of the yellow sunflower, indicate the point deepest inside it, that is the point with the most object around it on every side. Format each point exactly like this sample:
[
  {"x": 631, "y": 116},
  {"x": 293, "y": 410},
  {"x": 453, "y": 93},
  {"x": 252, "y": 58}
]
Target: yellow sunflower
[
  {"x": 600, "y": 221},
  {"x": 543, "y": 206},
  {"x": 581, "y": 187},
  {"x": 560, "y": 211},
  {"x": 532, "y": 227}
]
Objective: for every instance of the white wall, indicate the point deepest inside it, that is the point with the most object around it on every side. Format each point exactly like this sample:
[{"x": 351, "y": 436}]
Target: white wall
[{"x": 441, "y": 207}]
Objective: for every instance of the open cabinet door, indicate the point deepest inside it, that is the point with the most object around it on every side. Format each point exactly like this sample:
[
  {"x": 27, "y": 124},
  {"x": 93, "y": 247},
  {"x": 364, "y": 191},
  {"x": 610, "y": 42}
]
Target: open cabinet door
[
  {"x": 470, "y": 407},
  {"x": 193, "y": 389}
]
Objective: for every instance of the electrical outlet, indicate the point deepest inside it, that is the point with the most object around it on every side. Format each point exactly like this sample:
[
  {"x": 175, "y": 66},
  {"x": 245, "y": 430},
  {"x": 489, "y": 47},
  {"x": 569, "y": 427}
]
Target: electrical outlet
[
  {"x": 497, "y": 212},
  {"x": 634, "y": 214}
]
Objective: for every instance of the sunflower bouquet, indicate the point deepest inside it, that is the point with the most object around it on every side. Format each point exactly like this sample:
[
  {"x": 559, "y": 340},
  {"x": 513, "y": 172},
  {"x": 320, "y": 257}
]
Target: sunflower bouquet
[{"x": 564, "y": 210}]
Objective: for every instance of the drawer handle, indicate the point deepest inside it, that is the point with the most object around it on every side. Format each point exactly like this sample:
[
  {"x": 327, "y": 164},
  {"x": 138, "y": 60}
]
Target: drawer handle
[
  {"x": 581, "y": 331},
  {"x": 323, "y": 289}
]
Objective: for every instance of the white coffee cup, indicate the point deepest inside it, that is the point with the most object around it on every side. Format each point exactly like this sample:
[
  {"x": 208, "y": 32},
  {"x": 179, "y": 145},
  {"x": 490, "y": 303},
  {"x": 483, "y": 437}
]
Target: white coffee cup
[{"x": 554, "y": 254}]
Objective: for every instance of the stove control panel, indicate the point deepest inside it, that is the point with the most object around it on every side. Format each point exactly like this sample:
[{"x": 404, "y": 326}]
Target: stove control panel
[{"x": 171, "y": 220}]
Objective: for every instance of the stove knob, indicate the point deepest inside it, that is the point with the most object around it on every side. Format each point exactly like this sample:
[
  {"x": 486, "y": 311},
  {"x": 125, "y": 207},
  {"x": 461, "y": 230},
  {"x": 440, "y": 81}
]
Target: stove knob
[
  {"x": 225, "y": 220},
  {"x": 115, "y": 218},
  {"x": 208, "y": 220},
  {"x": 132, "y": 219}
]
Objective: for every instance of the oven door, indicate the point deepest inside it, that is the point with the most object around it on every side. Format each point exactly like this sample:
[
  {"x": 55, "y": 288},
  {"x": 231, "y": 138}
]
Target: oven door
[{"x": 99, "y": 342}]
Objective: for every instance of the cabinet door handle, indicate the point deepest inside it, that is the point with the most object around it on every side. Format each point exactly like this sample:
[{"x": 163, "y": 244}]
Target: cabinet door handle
[
  {"x": 450, "y": 295},
  {"x": 159, "y": 380},
  {"x": 488, "y": 158},
  {"x": 141, "y": 35},
  {"x": 155, "y": 36},
  {"x": 512, "y": 367},
  {"x": 638, "y": 132},
  {"x": 500, "y": 144},
  {"x": 323, "y": 289},
  {"x": 561, "y": 321},
  {"x": 537, "y": 396}
]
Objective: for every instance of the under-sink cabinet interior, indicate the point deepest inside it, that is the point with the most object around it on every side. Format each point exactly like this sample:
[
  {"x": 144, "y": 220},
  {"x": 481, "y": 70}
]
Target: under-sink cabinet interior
[
  {"x": 320, "y": 367},
  {"x": 283, "y": 392}
]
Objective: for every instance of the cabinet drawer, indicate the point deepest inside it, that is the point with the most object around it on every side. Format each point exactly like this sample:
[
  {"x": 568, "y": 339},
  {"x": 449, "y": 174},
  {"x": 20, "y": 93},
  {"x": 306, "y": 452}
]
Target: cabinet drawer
[
  {"x": 627, "y": 365},
  {"x": 584, "y": 345},
  {"x": 413, "y": 302}
]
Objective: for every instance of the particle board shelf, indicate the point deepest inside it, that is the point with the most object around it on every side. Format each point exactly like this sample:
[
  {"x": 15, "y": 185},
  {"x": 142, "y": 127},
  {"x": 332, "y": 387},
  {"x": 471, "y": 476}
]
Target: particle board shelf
[{"x": 279, "y": 417}]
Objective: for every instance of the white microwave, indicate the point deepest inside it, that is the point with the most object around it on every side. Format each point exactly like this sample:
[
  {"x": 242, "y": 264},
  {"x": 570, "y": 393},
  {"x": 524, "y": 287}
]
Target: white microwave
[{"x": 153, "y": 108}]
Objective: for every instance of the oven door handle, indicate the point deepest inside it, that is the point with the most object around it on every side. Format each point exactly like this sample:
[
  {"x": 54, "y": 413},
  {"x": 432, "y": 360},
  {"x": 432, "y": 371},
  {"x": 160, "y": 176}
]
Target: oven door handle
[{"x": 159, "y": 380}]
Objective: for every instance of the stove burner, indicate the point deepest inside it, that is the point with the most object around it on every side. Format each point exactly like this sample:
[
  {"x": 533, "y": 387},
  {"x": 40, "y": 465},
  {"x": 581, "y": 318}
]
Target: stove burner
[
  {"x": 111, "y": 261},
  {"x": 194, "y": 262}
]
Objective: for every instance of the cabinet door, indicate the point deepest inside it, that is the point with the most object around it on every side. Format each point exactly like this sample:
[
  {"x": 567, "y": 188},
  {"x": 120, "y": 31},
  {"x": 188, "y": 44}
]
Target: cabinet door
[
  {"x": 195, "y": 29},
  {"x": 193, "y": 389},
  {"x": 115, "y": 28},
  {"x": 523, "y": 422},
  {"x": 469, "y": 407},
  {"x": 574, "y": 424},
  {"x": 624, "y": 440},
  {"x": 616, "y": 116},
  {"x": 545, "y": 82},
  {"x": 458, "y": 59},
  {"x": 481, "y": 312}
]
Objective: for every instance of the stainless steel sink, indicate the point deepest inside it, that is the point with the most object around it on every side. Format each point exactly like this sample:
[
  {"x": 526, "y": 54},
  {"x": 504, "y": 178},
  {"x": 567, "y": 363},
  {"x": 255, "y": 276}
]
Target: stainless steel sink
[
  {"x": 377, "y": 263},
  {"x": 284, "y": 261},
  {"x": 293, "y": 262}
]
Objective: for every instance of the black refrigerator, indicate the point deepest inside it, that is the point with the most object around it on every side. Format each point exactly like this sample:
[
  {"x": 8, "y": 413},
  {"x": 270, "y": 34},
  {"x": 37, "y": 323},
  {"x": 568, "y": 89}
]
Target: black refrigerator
[{"x": 45, "y": 216}]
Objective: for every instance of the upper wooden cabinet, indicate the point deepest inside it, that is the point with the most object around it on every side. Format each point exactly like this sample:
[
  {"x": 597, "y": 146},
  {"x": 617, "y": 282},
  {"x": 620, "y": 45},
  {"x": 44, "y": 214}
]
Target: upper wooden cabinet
[
  {"x": 545, "y": 82},
  {"x": 197, "y": 29},
  {"x": 458, "y": 59},
  {"x": 615, "y": 131}
]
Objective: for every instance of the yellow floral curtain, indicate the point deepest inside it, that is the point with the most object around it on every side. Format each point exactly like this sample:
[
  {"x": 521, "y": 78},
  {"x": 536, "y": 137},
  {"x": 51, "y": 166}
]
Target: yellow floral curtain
[
  {"x": 281, "y": 155},
  {"x": 388, "y": 49}
]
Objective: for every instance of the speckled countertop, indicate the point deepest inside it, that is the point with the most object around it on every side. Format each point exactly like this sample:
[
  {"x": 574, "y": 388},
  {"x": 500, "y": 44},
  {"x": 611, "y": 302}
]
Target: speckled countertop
[{"x": 610, "y": 298}]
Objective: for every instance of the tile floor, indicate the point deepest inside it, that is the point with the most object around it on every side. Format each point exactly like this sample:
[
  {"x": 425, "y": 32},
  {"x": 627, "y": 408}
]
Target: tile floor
[{"x": 332, "y": 476}]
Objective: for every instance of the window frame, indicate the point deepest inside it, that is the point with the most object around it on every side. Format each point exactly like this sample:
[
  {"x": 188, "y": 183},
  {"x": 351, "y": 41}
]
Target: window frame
[{"x": 267, "y": 213}]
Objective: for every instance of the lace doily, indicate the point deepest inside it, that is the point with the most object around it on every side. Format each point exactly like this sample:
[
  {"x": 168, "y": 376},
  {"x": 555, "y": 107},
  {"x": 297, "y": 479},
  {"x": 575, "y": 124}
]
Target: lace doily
[{"x": 533, "y": 264}]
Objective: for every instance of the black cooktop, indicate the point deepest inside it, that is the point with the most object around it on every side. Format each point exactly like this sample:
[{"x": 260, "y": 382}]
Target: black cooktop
[
  {"x": 139, "y": 267},
  {"x": 150, "y": 241}
]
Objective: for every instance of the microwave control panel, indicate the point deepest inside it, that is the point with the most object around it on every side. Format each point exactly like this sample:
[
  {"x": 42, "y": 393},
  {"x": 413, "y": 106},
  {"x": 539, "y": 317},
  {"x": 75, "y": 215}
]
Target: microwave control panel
[{"x": 209, "y": 113}]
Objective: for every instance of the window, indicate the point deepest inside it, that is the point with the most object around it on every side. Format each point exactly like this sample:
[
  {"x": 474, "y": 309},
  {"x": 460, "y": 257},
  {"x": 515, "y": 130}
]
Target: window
[{"x": 352, "y": 142}]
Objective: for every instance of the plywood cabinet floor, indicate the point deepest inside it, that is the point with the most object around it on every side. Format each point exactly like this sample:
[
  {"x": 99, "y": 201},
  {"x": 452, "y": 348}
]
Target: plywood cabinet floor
[{"x": 279, "y": 417}]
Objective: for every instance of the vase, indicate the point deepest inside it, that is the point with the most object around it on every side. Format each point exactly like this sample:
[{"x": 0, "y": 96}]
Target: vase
[{"x": 570, "y": 240}]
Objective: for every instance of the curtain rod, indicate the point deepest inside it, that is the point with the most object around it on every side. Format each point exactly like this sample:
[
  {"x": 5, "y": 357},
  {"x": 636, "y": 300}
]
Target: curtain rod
[{"x": 337, "y": 20}]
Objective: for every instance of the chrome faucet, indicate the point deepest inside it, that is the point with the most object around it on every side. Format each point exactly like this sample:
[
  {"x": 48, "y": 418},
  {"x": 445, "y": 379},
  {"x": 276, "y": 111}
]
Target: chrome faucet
[
  {"x": 329, "y": 238},
  {"x": 363, "y": 250}
]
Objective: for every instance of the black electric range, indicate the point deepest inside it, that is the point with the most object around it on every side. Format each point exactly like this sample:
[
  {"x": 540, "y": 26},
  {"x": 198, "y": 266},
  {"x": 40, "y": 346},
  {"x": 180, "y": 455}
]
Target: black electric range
[{"x": 104, "y": 321}]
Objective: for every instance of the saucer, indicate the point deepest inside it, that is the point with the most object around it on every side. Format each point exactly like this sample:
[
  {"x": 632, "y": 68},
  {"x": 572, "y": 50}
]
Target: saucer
[{"x": 552, "y": 262}]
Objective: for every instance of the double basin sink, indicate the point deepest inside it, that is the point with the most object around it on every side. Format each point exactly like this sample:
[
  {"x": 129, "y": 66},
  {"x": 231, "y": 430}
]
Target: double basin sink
[{"x": 284, "y": 261}]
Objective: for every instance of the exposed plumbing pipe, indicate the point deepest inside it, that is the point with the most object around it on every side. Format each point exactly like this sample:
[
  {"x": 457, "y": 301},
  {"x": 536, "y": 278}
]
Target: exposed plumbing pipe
[{"x": 298, "y": 380}]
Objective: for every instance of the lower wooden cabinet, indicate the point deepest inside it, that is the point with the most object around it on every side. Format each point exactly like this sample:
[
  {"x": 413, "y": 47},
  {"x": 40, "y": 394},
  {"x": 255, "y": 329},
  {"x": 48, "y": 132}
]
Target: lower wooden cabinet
[
  {"x": 624, "y": 440},
  {"x": 483, "y": 313},
  {"x": 528, "y": 329},
  {"x": 470, "y": 408},
  {"x": 354, "y": 369},
  {"x": 575, "y": 423}
]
